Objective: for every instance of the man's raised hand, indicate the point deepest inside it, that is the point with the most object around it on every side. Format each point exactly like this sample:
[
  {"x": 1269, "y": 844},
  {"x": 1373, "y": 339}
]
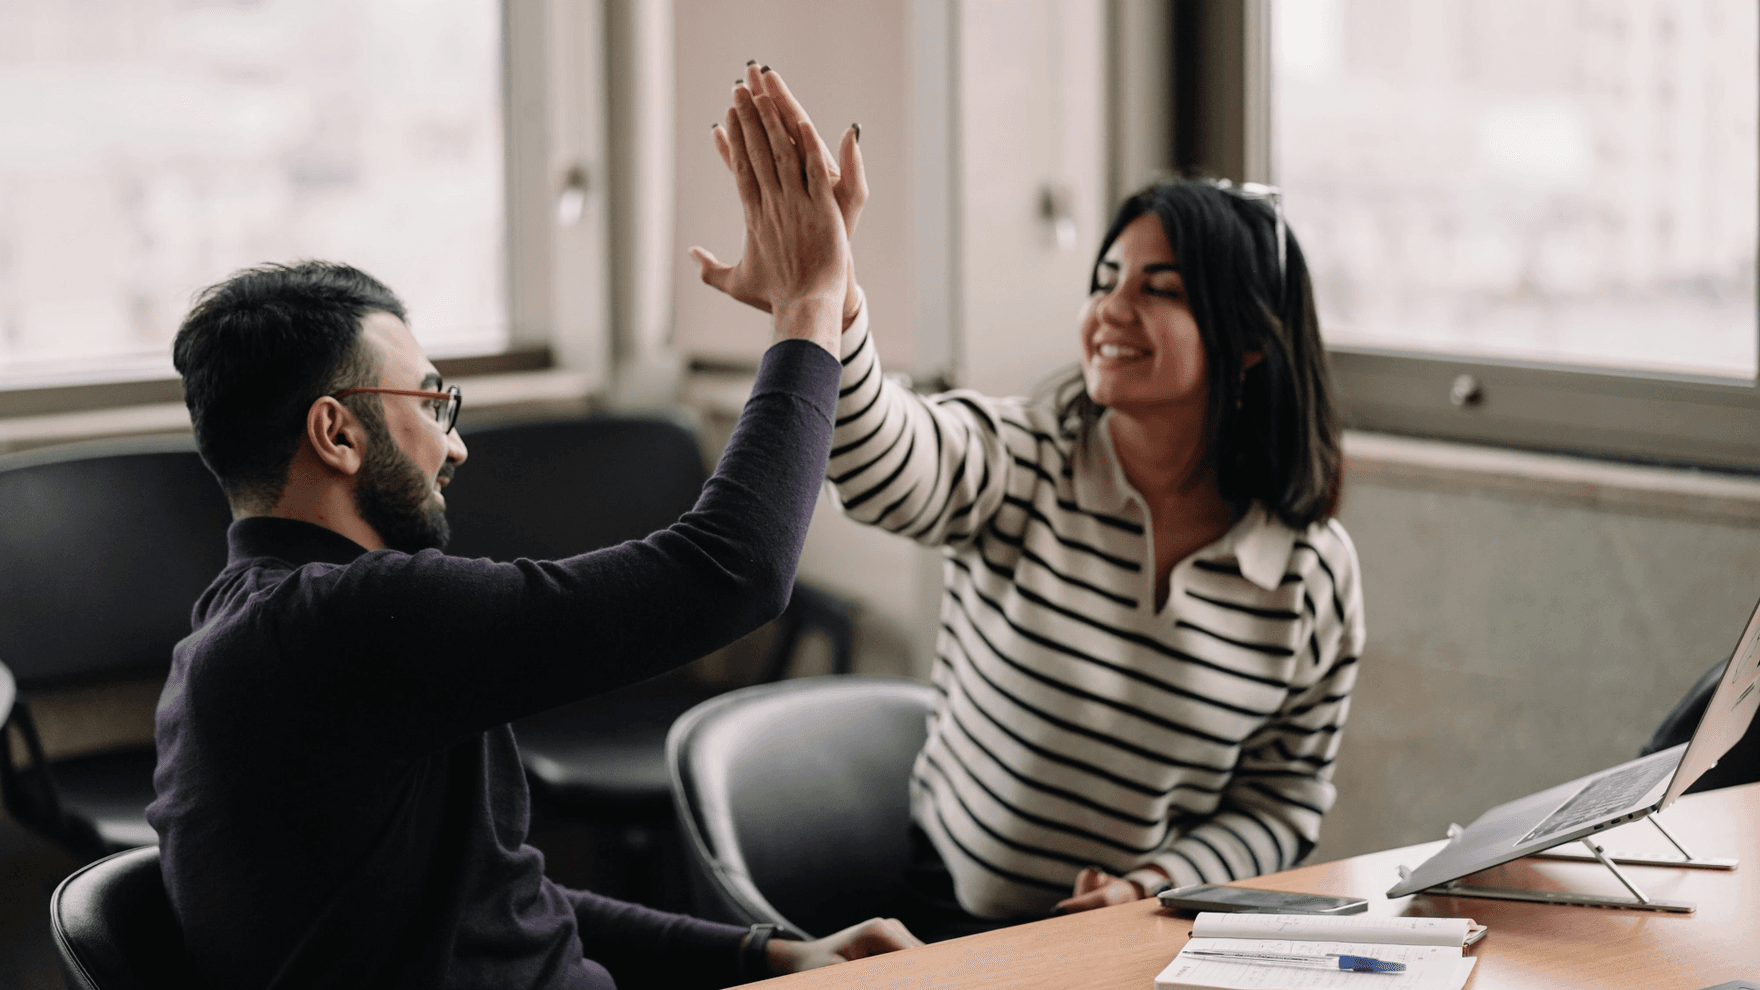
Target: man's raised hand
[
  {"x": 750, "y": 281},
  {"x": 796, "y": 252}
]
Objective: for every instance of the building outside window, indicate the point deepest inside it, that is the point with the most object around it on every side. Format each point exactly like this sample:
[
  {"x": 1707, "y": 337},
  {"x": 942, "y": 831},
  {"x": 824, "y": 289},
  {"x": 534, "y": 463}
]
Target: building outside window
[
  {"x": 1555, "y": 184},
  {"x": 149, "y": 148}
]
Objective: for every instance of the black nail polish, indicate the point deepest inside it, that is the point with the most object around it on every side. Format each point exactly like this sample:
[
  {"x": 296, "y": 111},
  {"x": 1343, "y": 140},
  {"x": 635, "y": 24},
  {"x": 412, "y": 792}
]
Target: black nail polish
[
  {"x": 751, "y": 61},
  {"x": 858, "y": 130},
  {"x": 739, "y": 82},
  {"x": 1054, "y": 912},
  {"x": 764, "y": 69}
]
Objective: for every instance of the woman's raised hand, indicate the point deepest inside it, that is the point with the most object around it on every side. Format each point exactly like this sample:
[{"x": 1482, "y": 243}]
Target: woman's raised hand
[
  {"x": 750, "y": 281},
  {"x": 796, "y": 251}
]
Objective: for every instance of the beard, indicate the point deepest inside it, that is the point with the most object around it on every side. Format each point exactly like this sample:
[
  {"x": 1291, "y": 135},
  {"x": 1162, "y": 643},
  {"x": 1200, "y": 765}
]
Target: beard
[{"x": 397, "y": 500}]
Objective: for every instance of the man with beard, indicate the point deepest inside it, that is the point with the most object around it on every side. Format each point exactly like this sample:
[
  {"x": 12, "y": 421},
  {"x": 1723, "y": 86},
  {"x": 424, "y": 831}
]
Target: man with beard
[{"x": 340, "y": 800}]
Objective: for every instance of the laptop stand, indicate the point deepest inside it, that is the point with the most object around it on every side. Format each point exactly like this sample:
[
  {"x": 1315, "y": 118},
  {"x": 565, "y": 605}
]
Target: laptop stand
[
  {"x": 1637, "y": 902},
  {"x": 1687, "y": 859}
]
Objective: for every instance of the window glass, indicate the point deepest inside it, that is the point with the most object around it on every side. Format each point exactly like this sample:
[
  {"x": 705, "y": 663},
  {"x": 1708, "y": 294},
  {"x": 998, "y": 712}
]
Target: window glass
[
  {"x": 149, "y": 148},
  {"x": 1564, "y": 182}
]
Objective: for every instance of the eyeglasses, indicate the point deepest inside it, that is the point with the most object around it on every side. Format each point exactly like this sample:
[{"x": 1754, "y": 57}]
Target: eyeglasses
[
  {"x": 445, "y": 404},
  {"x": 1273, "y": 195}
]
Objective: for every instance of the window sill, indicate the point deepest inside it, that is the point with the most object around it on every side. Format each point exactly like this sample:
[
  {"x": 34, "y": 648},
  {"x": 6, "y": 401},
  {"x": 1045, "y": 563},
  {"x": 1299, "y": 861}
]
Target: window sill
[
  {"x": 1370, "y": 458},
  {"x": 1394, "y": 461},
  {"x": 1436, "y": 465},
  {"x": 551, "y": 393}
]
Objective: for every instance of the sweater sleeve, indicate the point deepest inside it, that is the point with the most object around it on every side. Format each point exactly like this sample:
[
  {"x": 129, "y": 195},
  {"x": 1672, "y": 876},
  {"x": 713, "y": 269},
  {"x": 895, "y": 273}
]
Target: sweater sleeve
[
  {"x": 931, "y": 468},
  {"x": 642, "y": 947},
  {"x": 1269, "y": 817},
  {"x": 464, "y": 645}
]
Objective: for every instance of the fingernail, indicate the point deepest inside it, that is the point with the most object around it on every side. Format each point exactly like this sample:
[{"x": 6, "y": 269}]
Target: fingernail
[
  {"x": 751, "y": 61},
  {"x": 764, "y": 69},
  {"x": 1098, "y": 869},
  {"x": 739, "y": 82},
  {"x": 1054, "y": 912},
  {"x": 858, "y": 130}
]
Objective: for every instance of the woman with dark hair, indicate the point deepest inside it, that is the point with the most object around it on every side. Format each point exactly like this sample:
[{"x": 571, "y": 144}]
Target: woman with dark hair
[{"x": 1151, "y": 621}]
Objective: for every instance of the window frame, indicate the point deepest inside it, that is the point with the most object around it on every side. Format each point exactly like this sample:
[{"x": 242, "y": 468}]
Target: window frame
[{"x": 1219, "y": 98}]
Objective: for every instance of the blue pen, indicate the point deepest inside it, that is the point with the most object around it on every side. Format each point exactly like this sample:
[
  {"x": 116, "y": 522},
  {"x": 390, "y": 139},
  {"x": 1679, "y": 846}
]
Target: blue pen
[{"x": 1332, "y": 960}]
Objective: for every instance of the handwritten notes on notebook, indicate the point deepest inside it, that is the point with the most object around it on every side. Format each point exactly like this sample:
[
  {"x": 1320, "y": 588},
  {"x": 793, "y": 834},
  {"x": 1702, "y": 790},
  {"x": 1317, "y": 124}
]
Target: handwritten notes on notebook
[{"x": 1430, "y": 949}]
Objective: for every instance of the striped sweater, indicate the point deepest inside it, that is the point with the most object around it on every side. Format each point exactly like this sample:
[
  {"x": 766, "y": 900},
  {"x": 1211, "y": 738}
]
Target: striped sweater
[{"x": 1077, "y": 724}]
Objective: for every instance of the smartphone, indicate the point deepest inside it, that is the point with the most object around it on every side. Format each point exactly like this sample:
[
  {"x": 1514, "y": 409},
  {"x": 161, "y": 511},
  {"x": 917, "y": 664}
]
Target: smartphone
[{"x": 1210, "y": 897}]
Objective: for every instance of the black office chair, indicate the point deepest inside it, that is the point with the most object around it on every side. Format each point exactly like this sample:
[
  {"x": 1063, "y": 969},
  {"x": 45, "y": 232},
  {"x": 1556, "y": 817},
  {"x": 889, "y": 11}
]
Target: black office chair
[
  {"x": 557, "y": 488},
  {"x": 1741, "y": 765},
  {"x": 114, "y": 929},
  {"x": 104, "y": 548},
  {"x": 8, "y": 691},
  {"x": 795, "y": 799}
]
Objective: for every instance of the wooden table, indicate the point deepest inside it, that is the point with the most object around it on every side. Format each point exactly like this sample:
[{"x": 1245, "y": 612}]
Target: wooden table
[{"x": 1529, "y": 946}]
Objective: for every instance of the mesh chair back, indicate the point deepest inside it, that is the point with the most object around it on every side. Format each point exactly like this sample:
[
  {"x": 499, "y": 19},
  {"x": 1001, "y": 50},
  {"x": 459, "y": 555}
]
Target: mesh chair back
[
  {"x": 104, "y": 547},
  {"x": 114, "y": 929},
  {"x": 795, "y": 798},
  {"x": 554, "y": 489}
]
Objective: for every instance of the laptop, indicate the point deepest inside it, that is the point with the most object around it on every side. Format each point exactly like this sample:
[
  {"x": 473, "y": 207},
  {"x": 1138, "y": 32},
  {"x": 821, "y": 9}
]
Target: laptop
[{"x": 1615, "y": 796}]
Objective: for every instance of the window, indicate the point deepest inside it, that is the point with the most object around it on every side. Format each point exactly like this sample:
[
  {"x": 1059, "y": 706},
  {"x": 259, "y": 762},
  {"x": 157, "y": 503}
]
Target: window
[
  {"x": 1531, "y": 224},
  {"x": 148, "y": 149}
]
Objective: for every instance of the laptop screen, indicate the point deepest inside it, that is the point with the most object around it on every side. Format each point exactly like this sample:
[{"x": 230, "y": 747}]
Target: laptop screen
[{"x": 1726, "y": 718}]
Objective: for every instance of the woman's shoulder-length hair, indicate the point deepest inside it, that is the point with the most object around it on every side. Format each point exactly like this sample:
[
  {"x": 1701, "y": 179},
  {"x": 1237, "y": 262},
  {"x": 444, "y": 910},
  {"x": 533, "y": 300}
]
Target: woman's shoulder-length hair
[{"x": 1273, "y": 428}]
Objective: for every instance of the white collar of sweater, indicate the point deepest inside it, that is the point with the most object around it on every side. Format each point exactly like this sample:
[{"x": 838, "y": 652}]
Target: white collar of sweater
[{"x": 1259, "y": 543}]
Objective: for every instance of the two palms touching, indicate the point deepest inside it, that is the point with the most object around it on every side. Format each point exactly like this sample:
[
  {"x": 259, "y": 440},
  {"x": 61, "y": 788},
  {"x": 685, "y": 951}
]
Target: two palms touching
[{"x": 755, "y": 279}]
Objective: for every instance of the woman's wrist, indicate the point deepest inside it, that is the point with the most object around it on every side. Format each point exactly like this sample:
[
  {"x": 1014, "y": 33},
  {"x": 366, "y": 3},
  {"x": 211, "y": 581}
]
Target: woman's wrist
[
  {"x": 814, "y": 318},
  {"x": 1149, "y": 879},
  {"x": 852, "y": 304}
]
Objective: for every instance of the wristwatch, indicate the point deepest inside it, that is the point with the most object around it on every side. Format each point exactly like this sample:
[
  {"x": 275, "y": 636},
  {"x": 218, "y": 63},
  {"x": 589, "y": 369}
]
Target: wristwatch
[{"x": 754, "y": 955}]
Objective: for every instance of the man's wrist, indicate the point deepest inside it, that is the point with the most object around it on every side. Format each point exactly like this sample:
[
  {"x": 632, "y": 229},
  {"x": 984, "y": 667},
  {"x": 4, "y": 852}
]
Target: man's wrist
[
  {"x": 754, "y": 954},
  {"x": 765, "y": 952}
]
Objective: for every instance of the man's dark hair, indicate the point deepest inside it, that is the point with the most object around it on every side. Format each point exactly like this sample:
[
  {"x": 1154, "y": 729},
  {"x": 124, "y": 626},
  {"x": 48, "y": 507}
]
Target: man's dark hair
[
  {"x": 257, "y": 350},
  {"x": 1274, "y": 435}
]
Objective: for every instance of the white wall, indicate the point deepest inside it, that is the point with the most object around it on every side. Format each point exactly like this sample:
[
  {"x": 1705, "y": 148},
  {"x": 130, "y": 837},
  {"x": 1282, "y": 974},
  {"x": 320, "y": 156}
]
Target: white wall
[
  {"x": 1032, "y": 117},
  {"x": 1026, "y": 104},
  {"x": 847, "y": 63}
]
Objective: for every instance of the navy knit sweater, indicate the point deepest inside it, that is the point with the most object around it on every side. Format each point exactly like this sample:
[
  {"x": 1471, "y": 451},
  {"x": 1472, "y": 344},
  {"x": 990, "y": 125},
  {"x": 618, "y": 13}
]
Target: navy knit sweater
[{"x": 340, "y": 801}]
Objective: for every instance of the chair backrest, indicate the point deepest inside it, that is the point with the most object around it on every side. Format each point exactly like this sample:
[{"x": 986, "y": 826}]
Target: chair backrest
[
  {"x": 794, "y": 798},
  {"x": 114, "y": 929},
  {"x": 557, "y": 488},
  {"x": 104, "y": 547},
  {"x": 8, "y": 691}
]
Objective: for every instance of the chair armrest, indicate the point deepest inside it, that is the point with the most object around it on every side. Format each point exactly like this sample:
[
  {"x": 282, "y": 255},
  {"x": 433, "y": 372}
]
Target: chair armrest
[{"x": 29, "y": 793}]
